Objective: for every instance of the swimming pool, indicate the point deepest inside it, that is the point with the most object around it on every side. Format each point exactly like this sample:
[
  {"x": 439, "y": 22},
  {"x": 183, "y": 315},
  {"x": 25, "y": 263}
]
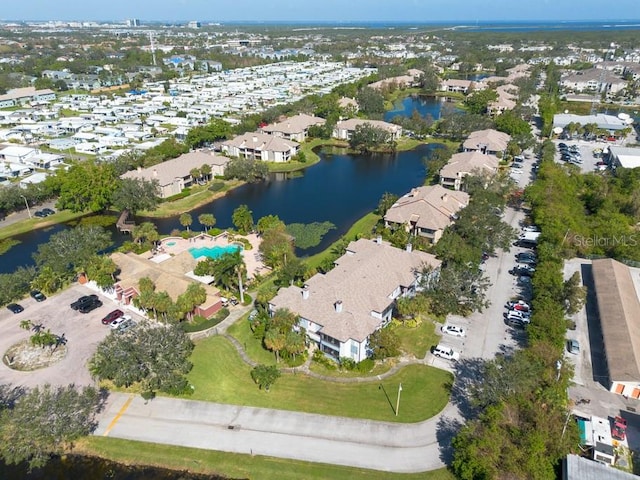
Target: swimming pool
[{"x": 212, "y": 252}]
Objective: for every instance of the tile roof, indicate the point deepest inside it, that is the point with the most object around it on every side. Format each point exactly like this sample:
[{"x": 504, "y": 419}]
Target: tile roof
[
  {"x": 494, "y": 140},
  {"x": 467, "y": 162},
  {"x": 431, "y": 207},
  {"x": 352, "y": 123},
  {"x": 363, "y": 279},
  {"x": 262, "y": 142},
  {"x": 167, "y": 172},
  {"x": 294, "y": 125}
]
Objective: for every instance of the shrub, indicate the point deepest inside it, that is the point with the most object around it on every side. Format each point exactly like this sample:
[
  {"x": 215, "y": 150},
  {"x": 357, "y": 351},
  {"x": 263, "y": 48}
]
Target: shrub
[
  {"x": 322, "y": 359},
  {"x": 347, "y": 363},
  {"x": 366, "y": 365},
  {"x": 216, "y": 186},
  {"x": 184, "y": 193},
  {"x": 200, "y": 323}
]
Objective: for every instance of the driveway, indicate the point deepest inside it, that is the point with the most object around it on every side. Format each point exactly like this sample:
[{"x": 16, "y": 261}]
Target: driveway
[{"x": 82, "y": 331}]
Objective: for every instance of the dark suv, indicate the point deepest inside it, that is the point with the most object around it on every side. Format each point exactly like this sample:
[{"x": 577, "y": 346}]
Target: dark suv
[
  {"x": 111, "y": 316},
  {"x": 90, "y": 305},
  {"x": 83, "y": 300}
]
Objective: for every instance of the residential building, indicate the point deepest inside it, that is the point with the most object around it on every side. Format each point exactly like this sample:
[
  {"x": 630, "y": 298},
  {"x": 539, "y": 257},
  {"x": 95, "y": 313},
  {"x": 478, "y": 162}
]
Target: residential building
[
  {"x": 467, "y": 163},
  {"x": 507, "y": 96},
  {"x": 18, "y": 154},
  {"x": 339, "y": 310},
  {"x": 595, "y": 435},
  {"x": 426, "y": 211},
  {"x": 490, "y": 142},
  {"x": 618, "y": 312},
  {"x": 21, "y": 96},
  {"x": 593, "y": 80},
  {"x": 457, "y": 86},
  {"x": 293, "y": 128},
  {"x": 172, "y": 275},
  {"x": 174, "y": 175},
  {"x": 576, "y": 467},
  {"x": 260, "y": 146},
  {"x": 344, "y": 129}
]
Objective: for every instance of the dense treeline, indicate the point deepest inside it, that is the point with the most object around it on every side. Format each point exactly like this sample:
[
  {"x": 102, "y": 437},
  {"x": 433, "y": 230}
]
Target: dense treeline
[{"x": 519, "y": 410}]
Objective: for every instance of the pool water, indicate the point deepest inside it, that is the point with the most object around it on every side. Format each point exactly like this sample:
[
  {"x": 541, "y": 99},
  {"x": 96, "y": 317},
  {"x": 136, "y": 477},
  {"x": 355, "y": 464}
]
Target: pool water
[{"x": 212, "y": 252}]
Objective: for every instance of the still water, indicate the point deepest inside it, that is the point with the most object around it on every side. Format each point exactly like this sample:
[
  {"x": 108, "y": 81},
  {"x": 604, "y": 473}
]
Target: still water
[
  {"x": 340, "y": 189},
  {"x": 423, "y": 104}
]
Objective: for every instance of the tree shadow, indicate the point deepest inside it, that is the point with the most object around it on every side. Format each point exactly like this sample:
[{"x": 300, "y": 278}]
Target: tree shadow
[
  {"x": 599, "y": 367},
  {"x": 468, "y": 372},
  {"x": 9, "y": 395},
  {"x": 446, "y": 429}
]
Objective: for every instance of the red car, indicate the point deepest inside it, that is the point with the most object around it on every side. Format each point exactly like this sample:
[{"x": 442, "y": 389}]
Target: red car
[
  {"x": 110, "y": 317},
  {"x": 619, "y": 429}
]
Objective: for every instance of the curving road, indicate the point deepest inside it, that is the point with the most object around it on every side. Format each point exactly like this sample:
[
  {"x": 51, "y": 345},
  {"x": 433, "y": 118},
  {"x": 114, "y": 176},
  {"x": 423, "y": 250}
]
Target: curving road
[{"x": 276, "y": 433}]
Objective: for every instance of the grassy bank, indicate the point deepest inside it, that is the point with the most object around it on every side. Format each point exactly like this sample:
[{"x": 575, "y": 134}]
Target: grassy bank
[
  {"x": 233, "y": 465},
  {"x": 220, "y": 375},
  {"x": 34, "y": 223},
  {"x": 200, "y": 195},
  {"x": 362, "y": 227}
]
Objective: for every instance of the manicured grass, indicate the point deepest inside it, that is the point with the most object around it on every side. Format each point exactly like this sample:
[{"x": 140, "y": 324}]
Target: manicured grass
[
  {"x": 417, "y": 341},
  {"x": 219, "y": 375},
  {"x": 200, "y": 195},
  {"x": 241, "y": 331},
  {"x": 233, "y": 465},
  {"x": 362, "y": 227},
  {"x": 311, "y": 157}
]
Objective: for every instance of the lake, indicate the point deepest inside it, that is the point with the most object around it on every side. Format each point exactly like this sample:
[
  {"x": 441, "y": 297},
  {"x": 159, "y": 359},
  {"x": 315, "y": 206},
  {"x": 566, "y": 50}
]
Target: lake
[
  {"x": 340, "y": 189},
  {"x": 423, "y": 104}
]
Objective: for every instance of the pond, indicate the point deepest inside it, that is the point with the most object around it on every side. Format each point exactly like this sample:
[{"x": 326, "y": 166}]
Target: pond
[
  {"x": 340, "y": 189},
  {"x": 423, "y": 104}
]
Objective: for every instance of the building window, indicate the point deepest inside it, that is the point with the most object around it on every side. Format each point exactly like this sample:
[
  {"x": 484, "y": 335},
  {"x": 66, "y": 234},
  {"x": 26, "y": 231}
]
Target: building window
[{"x": 354, "y": 349}]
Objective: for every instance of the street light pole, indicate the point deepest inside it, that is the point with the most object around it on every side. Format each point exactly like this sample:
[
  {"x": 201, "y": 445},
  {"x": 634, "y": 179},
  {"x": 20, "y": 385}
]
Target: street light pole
[
  {"x": 398, "y": 401},
  {"x": 27, "y": 204}
]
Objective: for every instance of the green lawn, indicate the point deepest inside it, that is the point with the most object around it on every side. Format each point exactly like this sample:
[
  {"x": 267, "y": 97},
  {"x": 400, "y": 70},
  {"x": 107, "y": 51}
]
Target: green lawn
[
  {"x": 233, "y": 465},
  {"x": 30, "y": 224},
  {"x": 219, "y": 375},
  {"x": 362, "y": 227},
  {"x": 241, "y": 331},
  {"x": 419, "y": 340}
]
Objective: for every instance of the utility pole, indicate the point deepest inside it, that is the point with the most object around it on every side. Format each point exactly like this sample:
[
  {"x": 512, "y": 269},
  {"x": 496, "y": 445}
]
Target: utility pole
[{"x": 27, "y": 205}]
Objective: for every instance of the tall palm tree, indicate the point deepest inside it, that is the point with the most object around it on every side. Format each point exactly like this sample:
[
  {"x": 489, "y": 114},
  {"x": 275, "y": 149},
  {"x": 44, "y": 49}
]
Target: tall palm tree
[
  {"x": 186, "y": 220},
  {"x": 275, "y": 341},
  {"x": 207, "y": 220}
]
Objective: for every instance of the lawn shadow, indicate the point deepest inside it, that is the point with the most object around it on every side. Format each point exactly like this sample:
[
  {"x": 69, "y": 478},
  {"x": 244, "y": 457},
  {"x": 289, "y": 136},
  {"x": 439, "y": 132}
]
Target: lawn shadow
[{"x": 393, "y": 409}]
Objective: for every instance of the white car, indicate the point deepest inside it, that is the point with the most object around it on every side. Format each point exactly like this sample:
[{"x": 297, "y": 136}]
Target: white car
[
  {"x": 454, "y": 330},
  {"x": 531, "y": 229},
  {"x": 518, "y": 315},
  {"x": 445, "y": 352},
  {"x": 119, "y": 321}
]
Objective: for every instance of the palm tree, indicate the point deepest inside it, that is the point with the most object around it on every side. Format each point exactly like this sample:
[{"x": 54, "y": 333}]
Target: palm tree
[
  {"x": 186, "y": 220},
  {"x": 229, "y": 271},
  {"x": 26, "y": 324},
  {"x": 275, "y": 341},
  {"x": 207, "y": 220},
  {"x": 145, "y": 231},
  {"x": 48, "y": 280},
  {"x": 163, "y": 304},
  {"x": 205, "y": 171},
  {"x": 195, "y": 174}
]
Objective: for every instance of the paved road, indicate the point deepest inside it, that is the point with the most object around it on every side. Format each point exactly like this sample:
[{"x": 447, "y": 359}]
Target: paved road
[
  {"x": 316, "y": 438},
  {"x": 23, "y": 214}
]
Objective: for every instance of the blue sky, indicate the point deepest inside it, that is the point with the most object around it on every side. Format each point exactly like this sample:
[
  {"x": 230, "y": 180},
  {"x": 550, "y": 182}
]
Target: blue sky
[{"x": 419, "y": 11}]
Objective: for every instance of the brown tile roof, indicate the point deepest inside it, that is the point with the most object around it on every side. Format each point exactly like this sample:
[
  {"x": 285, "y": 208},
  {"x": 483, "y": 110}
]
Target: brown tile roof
[
  {"x": 619, "y": 312},
  {"x": 294, "y": 125},
  {"x": 167, "y": 172},
  {"x": 352, "y": 123},
  {"x": 430, "y": 207},
  {"x": 363, "y": 279},
  {"x": 496, "y": 141},
  {"x": 467, "y": 162},
  {"x": 262, "y": 142}
]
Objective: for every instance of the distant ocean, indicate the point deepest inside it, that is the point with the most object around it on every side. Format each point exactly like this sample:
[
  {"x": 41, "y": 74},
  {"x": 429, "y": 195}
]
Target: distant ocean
[{"x": 502, "y": 26}]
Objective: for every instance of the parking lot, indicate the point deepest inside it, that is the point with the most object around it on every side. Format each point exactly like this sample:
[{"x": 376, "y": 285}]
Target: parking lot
[
  {"x": 586, "y": 149},
  {"x": 82, "y": 331}
]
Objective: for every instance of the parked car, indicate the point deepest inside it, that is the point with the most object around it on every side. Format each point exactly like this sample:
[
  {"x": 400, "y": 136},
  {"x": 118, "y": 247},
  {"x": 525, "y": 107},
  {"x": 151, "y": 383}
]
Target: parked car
[
  {"x": 445, "y": 352},
  {"x": 619, "y": 428},
  {"x": 90, "y": 306},
  {"x": 531, "y": 228},
  {"x": 37, "y": 295},
  {"x": 117, "y": 323},
  {"x": 454, "y": 330},
  {"x": 516, "y": 322},
  {"x": 527, "y": 261},
  {"x": 15, "y": 308},
  {"x": 82, "y": 300},
  {"x": 573, "y": 346},
  {"x": 39, "y": 214},
  {"x": 111, "y": 316},
  {"x": 519, "y": 315},
  {"x": 520, "y": 305},
  {"x": 126, "y": 326},
  {"x": 48, "y": 211}
]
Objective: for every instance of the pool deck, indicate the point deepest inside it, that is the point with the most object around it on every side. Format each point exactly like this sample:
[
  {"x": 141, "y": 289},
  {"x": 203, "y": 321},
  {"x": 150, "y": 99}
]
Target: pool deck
[{"x": 172, "y": 246}]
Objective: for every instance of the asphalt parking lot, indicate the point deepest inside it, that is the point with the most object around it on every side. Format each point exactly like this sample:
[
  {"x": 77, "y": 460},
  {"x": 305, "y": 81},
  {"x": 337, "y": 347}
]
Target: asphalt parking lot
[
  {"x": 82, "y": 331},
  {"x": 586, "y": 151}
]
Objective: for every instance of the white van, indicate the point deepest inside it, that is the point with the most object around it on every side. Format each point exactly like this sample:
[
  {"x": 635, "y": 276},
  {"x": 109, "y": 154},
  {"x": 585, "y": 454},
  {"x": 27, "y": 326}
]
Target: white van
[{"x": 445, "y": 352}]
